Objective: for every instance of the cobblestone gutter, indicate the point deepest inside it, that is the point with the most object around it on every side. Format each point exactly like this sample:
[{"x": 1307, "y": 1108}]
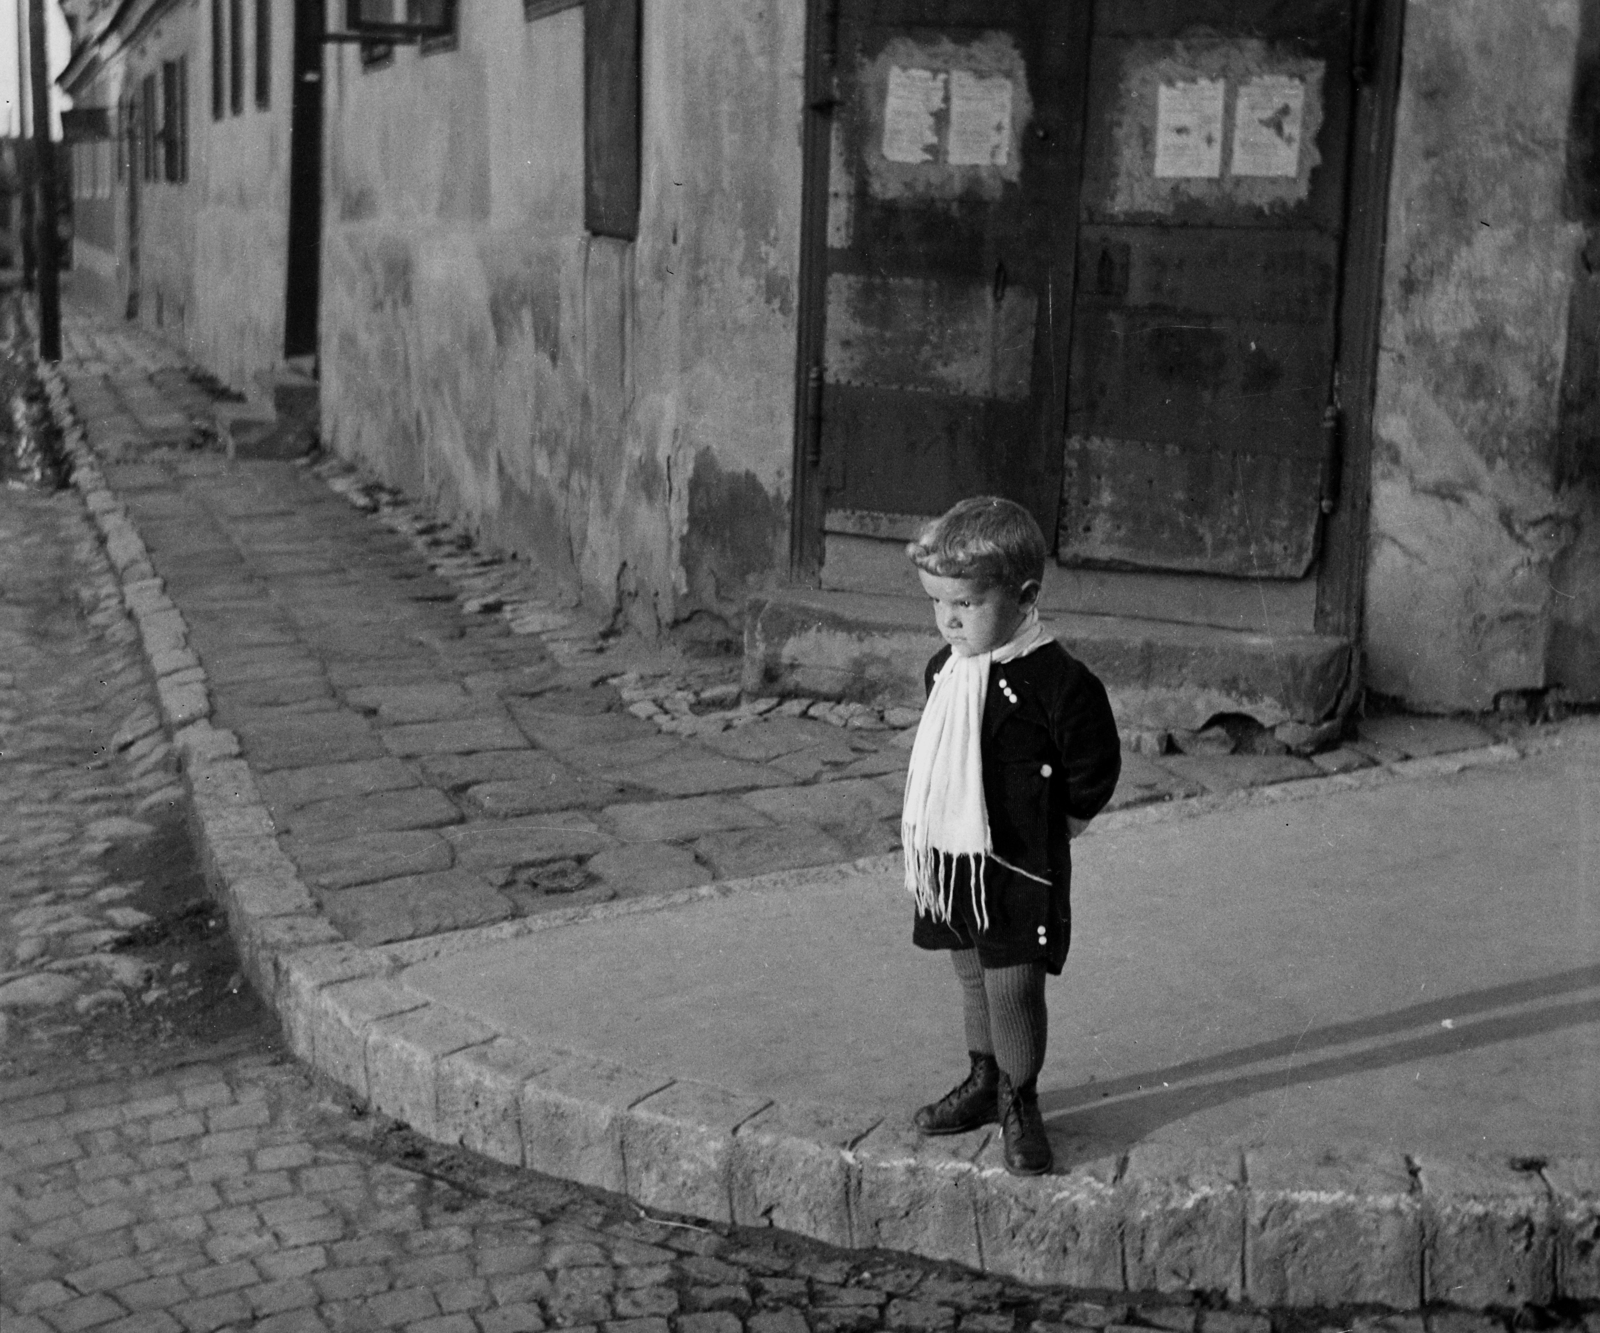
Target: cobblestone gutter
[{"x": 1269, "y": 1228}]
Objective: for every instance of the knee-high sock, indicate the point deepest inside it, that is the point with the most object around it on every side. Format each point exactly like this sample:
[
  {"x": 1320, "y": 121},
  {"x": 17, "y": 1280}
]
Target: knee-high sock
[
  {"x": 1017, "y": 1019},
  {"x": 974, "y": 1001}
]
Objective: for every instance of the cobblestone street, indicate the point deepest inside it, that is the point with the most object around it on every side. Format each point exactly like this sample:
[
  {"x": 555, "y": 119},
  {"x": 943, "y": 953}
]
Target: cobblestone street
[
  {"x": 164, "y": 1169},
  {"x": 103, "y": 915}
]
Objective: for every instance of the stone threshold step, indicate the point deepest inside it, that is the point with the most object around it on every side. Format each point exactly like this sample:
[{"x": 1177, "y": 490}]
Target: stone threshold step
[{"x": 1161, "y": 675}]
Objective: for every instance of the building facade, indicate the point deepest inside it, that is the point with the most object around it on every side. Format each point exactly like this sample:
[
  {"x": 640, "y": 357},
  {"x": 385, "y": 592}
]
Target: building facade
[
  {"x": 181, "y": 198},
  {"x": 1282, "y": 319}
]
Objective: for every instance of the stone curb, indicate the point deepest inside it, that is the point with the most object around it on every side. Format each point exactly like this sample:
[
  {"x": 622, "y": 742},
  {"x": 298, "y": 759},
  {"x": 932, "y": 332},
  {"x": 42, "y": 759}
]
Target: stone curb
[{"x": 1273, "y": 1228}]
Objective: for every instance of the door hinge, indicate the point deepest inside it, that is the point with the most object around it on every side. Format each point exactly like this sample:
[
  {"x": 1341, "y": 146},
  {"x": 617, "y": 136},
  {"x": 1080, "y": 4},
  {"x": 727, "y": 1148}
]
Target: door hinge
[
  {"x": 814, "y": 417},
  {"x": 1332, "y": 458}
]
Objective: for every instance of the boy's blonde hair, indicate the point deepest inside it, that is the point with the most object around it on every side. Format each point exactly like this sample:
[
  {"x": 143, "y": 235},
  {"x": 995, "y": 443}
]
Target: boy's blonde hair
[{"x": 986, "y": 538}]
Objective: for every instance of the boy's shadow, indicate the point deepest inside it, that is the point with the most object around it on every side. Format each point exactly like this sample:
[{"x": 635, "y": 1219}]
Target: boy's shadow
[{"x": 1081, "y": 1129}]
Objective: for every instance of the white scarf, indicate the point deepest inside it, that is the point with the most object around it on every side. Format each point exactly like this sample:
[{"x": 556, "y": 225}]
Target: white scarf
[{"x": 945, "y": 819}]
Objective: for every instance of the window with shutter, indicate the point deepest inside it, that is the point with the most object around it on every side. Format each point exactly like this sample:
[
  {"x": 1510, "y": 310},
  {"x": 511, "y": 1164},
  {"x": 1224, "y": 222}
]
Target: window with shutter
[
  {"x": 263, "y": 53},
  {"x": 611, "y": 117},
  {"x": 219, "y": 61}
]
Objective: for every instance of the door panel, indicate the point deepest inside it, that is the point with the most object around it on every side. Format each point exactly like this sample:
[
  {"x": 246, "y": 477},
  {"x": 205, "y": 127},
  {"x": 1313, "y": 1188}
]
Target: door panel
[
  {"x": 952, "y": 201},
  {"x": 1204, "y": 319}
]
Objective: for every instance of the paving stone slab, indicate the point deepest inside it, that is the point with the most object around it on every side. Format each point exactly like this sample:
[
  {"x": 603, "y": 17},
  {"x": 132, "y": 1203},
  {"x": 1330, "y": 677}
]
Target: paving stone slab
[
  {"x": 617, "y": 761},
  {"x": 766, "y": 739},
  {"x": 1417, "y": 737},
  {"x": 238, "y": 666},
  {"x": 373, "y": 812},
  {"x": 1340, "y": 760},
  {"x": 1234, "y": 772},
  {"x": 300, "y": 740},
  {"x": 290, "y": 788},
  {"x": 519, "y": 842},
  {"x": 692, "y": 770},
  {"x": 455, "y": 771},
  {"x": 372, "y": 856},
  {"x": 647, "y": 867},
  {"x": 852, "y": 800},
  {"x": 678, "y": 821},
  {"x": 382, "y": 911},
  {"x": 424, "y": 701},
  {"x": 576, "y": 731},
  {"x": 1323, "y": 1229},
  {"x": 467, "y": 735},
  {"x": 735, "y": 853},
  {"x": 1143, "y": 780},
  {"x": 230, "y": 632},
  {"x": 557, "y": 789}
]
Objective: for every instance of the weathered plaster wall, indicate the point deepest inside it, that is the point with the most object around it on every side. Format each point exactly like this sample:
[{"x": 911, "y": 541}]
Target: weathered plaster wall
[
  {"x": 1485, "y": 551},
  {"x": 239, "y": 180},
  {"x": 621, "y": 410},
  {"x": 166, "y": 209}
]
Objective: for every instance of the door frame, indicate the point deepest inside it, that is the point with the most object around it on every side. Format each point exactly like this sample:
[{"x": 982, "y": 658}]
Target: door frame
[
  {"x": 807, "y": 537},
  {"x": 303, "y": 246},
  {"x": 1341, "y": 561},
  {"x": 821, "y": 98},
  {"x": 133, "y": 133}
]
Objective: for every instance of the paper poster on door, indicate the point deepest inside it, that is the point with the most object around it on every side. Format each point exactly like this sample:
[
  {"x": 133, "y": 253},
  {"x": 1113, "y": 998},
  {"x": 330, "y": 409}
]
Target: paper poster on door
[
  {"x": 1189, "y": 128},
  {"x": 915, "y": 97},
  {"x": 980, "y": 120},
  {"x": 1267, "y": 121}
]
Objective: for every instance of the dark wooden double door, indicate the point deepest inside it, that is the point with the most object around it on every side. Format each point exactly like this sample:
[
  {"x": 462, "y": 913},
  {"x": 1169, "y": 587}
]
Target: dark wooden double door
[{"x": 1088, "y": 254}]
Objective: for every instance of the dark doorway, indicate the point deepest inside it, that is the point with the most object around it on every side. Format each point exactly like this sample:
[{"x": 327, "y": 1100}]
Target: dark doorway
[
  {"x": 305, "y": 184},
  {"x": 950, "y": 219},
  {"x": 134, "y": 132},
  {"x": 1205, "y": 325},
  {"x": 1136, "y": 316}
]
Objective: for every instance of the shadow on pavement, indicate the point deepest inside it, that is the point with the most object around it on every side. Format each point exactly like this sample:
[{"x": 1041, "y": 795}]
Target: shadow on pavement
[{"x": 1080, "y": 1114}]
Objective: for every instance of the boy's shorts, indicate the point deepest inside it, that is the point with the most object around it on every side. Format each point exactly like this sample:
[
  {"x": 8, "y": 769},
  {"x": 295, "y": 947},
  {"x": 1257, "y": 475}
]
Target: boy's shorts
[{"x": 1029, "y": 922}]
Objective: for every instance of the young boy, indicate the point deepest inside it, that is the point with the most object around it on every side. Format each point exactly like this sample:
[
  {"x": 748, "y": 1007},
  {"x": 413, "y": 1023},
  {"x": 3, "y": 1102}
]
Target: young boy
[{"x": 1016, "y": 752}]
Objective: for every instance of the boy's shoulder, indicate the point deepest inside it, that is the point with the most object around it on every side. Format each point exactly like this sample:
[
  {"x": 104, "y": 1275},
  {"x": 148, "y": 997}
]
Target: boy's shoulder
[{"x": 1050, "y": 665}]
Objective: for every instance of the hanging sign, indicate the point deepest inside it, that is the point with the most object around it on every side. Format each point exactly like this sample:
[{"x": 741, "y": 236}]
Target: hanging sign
[
  {"x": 1268, "y": 117},
  {"x": 1189, "y": 128}
]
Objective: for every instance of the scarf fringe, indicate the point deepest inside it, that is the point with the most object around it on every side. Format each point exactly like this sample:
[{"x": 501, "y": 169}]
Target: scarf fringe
[{"x": 931, "y": 877}]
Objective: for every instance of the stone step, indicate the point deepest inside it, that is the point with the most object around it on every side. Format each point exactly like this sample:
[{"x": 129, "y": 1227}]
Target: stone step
[
  {"x": 1161, "y": 675},
  {"x": 285, "y": 427}
]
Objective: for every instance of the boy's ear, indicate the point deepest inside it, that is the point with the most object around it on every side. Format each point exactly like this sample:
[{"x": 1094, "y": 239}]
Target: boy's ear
[{"x": 1028, "y": 594}]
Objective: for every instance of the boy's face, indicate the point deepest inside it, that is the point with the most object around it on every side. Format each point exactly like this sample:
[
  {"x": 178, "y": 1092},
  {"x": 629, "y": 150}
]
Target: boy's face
[{"x": 976, "y": 617}]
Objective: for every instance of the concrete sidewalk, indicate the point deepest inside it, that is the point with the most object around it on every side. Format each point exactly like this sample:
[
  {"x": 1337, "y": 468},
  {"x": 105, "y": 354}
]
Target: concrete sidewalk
[{"x": 1328, "y": 1034}]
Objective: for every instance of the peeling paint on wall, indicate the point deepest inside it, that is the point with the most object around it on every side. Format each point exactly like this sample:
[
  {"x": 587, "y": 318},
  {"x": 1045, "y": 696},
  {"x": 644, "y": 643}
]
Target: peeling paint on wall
[
  {"x": 734, "y": 531},
  {"x": 1482, "y": 553},
  {"x": 556, "y": 391}
]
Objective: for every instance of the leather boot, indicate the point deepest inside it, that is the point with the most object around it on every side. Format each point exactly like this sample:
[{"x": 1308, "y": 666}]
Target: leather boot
[
  {"x": 1027, "y": 1150},
  {"x": 968, "y": 1105}
]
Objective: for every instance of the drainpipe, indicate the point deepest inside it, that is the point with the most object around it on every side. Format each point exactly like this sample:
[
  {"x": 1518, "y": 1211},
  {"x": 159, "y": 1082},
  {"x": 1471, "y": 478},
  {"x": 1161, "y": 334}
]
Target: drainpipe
[{"x": 48, "y": 243}]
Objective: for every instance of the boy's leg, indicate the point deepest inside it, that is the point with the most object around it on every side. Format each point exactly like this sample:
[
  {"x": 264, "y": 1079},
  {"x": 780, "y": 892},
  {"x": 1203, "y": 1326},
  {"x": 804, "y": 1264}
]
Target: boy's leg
[
  {"x": 1017, "y": 1019},
  {"x": 972, "y": 1102},
  {"x": 974, "y": 1001}
]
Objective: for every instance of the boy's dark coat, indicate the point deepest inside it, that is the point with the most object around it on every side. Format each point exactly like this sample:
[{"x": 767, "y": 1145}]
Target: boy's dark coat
[{"x": 1061, "y": 720}]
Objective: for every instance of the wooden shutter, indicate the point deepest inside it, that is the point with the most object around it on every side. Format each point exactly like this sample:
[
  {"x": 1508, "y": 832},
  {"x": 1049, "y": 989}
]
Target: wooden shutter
[
  {"x": 169, "y": 121},
  {"x": 263, "y": 53},
  {"x": 611, "y": 117},
  {"x": 236, "y": 56},
  {"x": 219, "y": 61}
]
